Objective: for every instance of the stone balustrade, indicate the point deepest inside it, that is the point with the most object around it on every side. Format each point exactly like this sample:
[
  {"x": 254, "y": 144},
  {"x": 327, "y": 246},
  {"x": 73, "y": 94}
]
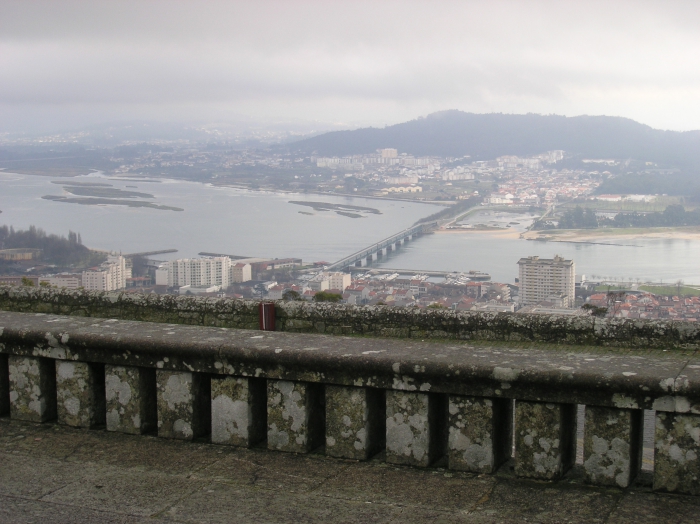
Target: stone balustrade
[{"x": 468, "y": 407}]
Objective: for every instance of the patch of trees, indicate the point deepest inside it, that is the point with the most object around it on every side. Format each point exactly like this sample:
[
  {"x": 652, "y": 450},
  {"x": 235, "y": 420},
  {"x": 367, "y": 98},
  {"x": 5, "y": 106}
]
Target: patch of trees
[
  {"x": 579, "y": 218},
  {"x": 675, "y": 215},
  {"x": 326, "y": 296},
  {"x": 55, "y": 249}
]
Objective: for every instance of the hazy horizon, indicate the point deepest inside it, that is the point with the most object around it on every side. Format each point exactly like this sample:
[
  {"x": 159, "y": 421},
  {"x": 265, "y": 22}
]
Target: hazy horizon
[{"x": 76, "y": 63}]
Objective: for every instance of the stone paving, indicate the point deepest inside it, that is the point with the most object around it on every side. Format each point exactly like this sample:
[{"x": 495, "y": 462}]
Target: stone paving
[{"x": 52, "y": 474}]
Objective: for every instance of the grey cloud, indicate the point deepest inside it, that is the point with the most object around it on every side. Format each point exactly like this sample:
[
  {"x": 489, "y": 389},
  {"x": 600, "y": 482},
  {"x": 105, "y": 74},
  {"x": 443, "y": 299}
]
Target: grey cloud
[{"x": 386, "y": 61}]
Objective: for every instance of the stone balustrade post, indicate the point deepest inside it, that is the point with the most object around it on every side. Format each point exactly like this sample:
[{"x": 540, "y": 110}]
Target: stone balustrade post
[
  {"x": 677, "y": 453},
  {"x": 612, "y": 445},
  {"x": 184, "y": 404},
  {"x": 238, "y": 411},
  {"x": 295, "y": 416},
  {"x": 4, "y": 386},
  {"x": 545, "y": 439},
  {"x": 480, "y": 433},
  {"x": 130, "y": 399},
  {"x": 80, "y": 393},
  {"x": 32, "y": 388},
  {"x": 354, "y": 422},
  {"x": 415, "y": 425}
]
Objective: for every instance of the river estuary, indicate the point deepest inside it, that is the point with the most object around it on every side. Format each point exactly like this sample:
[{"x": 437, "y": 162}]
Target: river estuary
[{"x": 241, "y": 222}]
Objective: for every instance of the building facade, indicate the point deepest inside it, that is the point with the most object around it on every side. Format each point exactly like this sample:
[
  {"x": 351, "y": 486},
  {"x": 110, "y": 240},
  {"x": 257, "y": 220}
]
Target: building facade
[
  {"x": 67, "y": 281},
  {"x": 110, "y": 276},
  {"x": 340, "y": 280},
  {"x": 547, "y": 279},
  {"x": 241, "y": 272},
  {"x": 197, "y": 272}
]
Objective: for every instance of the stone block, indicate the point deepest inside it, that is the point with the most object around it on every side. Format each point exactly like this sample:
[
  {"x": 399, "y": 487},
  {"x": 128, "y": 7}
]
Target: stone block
[
  {"x": 545, "y": 439},
  {"x": 612, "y": 445},
  {"x": 130, "y": 399},
  {"x": 480, "y": 433},
  {"x": 354, "y": 422},
  {"x": 295, "y": 416},
  {"x": 238, "y": 411},
  {"x": 415, "y": 427},
  {"x": 32, "y": 388},
  {"x": 4, "y": 386},
  {"x": 677, "y": 453},
  {"x": 184, "y": 404},
  {"x": 80, "y": 394}
]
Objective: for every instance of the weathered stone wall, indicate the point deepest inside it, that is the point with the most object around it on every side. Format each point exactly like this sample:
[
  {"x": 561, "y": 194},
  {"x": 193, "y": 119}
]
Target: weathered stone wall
[
  {"x": 415, "y": 402},
  {"x": 376, "y": 321}
]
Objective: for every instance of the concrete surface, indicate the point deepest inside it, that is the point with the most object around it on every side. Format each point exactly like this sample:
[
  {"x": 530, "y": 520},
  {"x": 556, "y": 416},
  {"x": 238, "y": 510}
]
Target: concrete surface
[{"x": 53, "y": 474}]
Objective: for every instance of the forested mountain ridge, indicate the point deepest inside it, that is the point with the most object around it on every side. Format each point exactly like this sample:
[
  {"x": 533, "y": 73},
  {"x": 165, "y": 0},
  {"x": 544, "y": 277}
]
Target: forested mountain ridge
[{"x": 487, "y": 136}]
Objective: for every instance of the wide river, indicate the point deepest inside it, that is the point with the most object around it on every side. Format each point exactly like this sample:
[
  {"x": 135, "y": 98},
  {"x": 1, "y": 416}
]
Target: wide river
[{"x": 241, "y": 222}]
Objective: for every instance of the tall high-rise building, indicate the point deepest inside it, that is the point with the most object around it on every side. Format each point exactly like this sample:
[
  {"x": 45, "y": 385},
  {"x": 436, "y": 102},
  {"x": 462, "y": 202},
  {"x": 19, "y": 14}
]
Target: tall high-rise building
[
  {"x": 215, "y": 271},
  {"x": 547, "y": 279}
]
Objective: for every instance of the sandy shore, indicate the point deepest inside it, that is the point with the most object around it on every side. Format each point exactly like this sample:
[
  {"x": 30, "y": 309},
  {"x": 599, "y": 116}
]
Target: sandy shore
[
  {"x": 597, "y": 235},
  {"x": 498, "y": 233}
]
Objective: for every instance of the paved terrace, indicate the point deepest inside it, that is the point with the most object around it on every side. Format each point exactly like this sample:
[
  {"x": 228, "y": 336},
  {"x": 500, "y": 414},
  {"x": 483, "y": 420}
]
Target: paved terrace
[{"x": 51, "y": 473}]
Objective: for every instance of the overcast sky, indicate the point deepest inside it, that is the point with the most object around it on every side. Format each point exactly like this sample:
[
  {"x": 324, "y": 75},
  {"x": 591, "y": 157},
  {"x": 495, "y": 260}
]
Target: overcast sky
[{"x": 380, "y": 62}]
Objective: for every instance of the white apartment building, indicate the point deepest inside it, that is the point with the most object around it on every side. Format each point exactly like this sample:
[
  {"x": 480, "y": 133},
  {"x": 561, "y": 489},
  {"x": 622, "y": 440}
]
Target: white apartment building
[
  {"x": 109, "y": 276},
  {"x": 340, "y": 280},
  {"x": 546, "y": 278},
  {"x": 66, "y": 280},
  {"x": 197, "y": 272}
]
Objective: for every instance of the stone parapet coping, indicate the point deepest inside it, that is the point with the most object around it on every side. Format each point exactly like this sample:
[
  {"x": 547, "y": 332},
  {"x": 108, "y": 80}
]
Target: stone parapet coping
[
  {"x": 663, "y": 381},
  {"x": 375, "y": 321}
]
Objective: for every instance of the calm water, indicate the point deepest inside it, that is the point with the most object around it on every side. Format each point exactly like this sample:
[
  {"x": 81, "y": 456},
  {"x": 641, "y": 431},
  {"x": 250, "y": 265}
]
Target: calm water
[
  {"x": 220, "y": 220},
  {"x": 232, "y": 221},
  {"x": 646, "y": 259}
]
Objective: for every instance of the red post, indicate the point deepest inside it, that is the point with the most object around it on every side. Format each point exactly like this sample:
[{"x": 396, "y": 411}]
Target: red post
[{"x": 267, "y": 316}]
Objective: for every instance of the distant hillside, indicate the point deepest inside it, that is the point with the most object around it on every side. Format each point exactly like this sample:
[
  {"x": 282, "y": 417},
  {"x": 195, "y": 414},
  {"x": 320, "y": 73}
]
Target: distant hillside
[{"x": 487, "y": 136}]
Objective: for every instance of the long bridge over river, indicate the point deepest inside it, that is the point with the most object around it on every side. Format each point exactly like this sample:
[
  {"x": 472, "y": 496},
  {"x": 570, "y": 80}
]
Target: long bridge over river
[{"x": 383, "y": 247}]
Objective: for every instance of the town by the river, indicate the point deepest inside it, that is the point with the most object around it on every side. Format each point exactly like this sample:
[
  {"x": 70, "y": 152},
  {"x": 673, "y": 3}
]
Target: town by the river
[{"x": 326, "y": 228}]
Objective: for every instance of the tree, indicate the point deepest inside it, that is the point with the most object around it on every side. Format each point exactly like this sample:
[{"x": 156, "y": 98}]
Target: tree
[
  {"x": 615, "y": 300},
  {"x": 325, "y": 296},
  {"x": 291, "y": 296},
  {"x": 595, "y": 310},
  {"x": 27, "y": 282}
]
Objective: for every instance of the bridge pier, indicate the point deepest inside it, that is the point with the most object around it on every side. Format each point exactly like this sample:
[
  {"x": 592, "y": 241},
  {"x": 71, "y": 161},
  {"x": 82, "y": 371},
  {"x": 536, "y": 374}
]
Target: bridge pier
[{"x": 383, "y": 247}]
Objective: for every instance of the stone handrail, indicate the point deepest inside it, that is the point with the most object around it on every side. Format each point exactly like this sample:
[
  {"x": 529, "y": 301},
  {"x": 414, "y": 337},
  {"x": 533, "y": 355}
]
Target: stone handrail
[
  {"x": 418, "y": 402},
  {"x": 376, "y": 321}
]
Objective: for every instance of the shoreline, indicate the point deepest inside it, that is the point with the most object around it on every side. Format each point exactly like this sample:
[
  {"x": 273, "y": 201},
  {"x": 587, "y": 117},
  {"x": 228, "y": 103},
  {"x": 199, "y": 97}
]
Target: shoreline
[
  {"x": 597, "y": 235},
  {"x": 233, "y": 186}
]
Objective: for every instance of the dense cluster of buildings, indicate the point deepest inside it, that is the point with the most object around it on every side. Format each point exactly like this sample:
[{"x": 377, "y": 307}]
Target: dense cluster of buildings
[
  {"x": 547, "y": 286},
  {"x": 529, "y": 181},
  {"x": 640, "y": 304}
]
